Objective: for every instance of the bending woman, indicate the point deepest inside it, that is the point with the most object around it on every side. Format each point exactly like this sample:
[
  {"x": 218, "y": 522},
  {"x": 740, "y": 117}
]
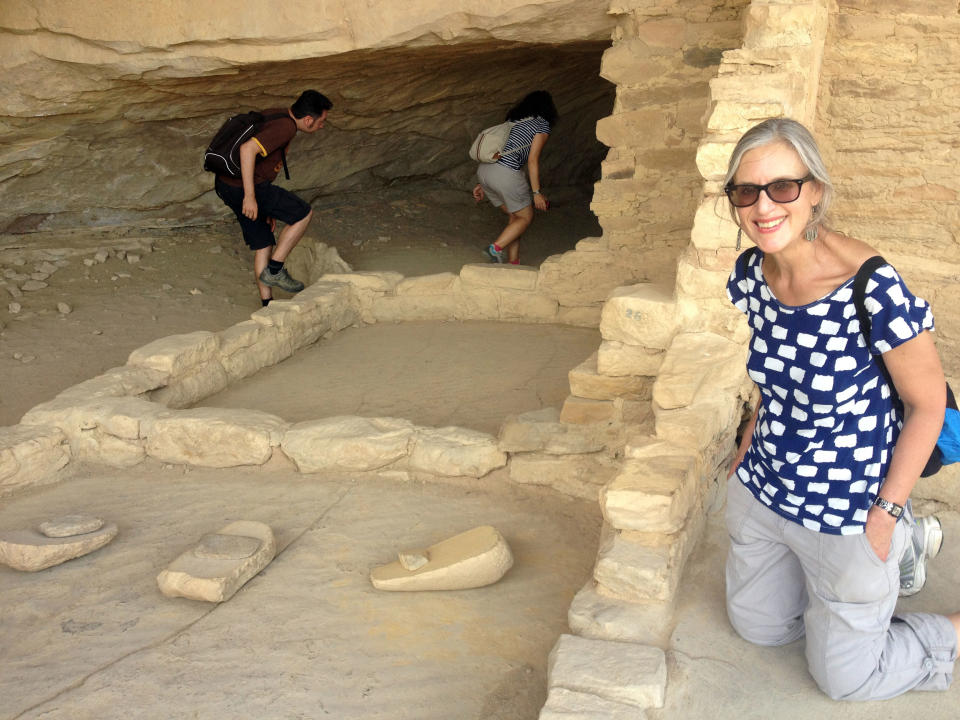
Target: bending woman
[
  {"x": 503, "y": 181},
  {"x": 817, "y": 503}
]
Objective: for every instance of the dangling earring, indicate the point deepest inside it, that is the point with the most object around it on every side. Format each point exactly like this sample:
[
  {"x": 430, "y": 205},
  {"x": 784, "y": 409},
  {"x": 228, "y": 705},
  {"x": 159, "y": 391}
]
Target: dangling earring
[
  {"x": 739, "y": 235},
  {"x": 810, "y": 234}
]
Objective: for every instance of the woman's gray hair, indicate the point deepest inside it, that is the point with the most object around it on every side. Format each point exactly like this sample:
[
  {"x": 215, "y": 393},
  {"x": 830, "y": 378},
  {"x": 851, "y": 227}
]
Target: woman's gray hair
[{"x": 796, "y": 136}]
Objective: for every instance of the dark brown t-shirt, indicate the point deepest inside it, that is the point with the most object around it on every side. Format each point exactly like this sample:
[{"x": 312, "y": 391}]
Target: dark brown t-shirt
[{"x": 272, "y": 137}]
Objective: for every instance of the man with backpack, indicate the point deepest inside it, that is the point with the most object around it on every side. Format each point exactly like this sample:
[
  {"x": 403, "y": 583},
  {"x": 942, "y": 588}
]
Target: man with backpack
[{"x": 253, "y": 197}]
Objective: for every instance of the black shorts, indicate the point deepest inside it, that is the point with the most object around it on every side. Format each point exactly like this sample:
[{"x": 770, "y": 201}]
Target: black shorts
[{"x": 272, "y": 202}]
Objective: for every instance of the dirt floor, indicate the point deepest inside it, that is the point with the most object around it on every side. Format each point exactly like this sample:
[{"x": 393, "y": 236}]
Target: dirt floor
[{"x": 68, "y": 313}]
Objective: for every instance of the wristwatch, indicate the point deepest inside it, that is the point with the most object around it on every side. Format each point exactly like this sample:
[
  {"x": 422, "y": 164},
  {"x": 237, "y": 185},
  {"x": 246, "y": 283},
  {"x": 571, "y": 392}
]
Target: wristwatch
[{"x": 890, "y": 507}]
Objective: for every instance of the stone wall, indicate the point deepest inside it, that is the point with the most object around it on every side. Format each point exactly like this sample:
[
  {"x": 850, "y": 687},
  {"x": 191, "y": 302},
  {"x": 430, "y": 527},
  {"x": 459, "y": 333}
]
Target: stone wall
[
  {"x": 888, "y": 117},
  {"x": 107, "y": 113}
]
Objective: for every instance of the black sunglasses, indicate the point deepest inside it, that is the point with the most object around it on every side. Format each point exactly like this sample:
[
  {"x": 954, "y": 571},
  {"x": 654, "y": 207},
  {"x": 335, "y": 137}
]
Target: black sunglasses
[{"x": 780, "y": 191}]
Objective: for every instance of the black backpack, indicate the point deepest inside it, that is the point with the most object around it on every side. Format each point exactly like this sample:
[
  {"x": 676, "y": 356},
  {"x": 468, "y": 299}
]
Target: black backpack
[{"x": 223, "y": 155}]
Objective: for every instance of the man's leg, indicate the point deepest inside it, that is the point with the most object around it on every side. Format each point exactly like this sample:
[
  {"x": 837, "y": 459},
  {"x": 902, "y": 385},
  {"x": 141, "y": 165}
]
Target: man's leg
[
  {"x": 260, "y": 258},
  {"x": 289, "y": 237}
]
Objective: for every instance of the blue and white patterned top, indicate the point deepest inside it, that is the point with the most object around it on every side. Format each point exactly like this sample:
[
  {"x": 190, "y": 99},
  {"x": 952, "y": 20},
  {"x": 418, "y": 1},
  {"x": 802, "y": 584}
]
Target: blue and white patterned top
[
  {"x": 827, "y": 424},
  {"x": 522, "y": 134}
]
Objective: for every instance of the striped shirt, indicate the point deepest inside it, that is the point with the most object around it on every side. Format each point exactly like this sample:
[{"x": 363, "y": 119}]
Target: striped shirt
[{"x": 522, "y": 134}]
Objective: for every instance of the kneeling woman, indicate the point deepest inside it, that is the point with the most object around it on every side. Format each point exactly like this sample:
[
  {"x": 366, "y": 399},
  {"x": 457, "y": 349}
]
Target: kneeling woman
[
  {"x": 818, "y": 500},
  {"x": 503, "y": 181}
]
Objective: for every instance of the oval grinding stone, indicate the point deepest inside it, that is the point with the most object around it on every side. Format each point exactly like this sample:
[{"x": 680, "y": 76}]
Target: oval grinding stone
[
  {"x": 226, "y": 547},
  {"x": 70, "y": 525}
]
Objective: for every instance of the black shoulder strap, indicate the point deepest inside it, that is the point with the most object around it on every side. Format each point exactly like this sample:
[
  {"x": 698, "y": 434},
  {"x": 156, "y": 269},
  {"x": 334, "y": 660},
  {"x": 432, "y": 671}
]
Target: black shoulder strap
[
  {"x": 744, "y": 260},
  {"x": 860, "y": 281}
]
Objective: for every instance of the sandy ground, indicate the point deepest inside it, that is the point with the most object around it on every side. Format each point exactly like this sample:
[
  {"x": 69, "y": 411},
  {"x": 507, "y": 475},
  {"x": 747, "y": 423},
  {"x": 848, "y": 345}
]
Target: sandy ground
[{"x": 308, "y": 637}]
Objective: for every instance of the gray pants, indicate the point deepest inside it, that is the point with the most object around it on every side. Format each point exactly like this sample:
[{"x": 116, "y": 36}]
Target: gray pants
[{"x": 785, "y": 581}]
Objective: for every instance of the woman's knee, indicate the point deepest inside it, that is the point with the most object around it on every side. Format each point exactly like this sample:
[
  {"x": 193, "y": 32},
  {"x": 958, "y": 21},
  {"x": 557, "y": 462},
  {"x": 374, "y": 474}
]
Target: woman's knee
[{"x": 766, "y": 634}]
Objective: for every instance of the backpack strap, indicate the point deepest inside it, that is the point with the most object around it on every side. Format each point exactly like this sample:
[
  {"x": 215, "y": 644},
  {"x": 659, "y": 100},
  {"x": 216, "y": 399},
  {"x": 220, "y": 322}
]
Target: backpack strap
[
  {"x": 860, "y": 281},
  {"x": 743, "y": 260}
]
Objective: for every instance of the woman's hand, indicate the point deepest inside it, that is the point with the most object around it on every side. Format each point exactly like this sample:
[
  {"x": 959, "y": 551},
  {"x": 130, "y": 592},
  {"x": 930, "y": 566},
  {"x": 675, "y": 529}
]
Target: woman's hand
[
  {"x": 540, "y": 202},
  {"x": 478, "y": 192},
  {"x": 879, "y": 530}
]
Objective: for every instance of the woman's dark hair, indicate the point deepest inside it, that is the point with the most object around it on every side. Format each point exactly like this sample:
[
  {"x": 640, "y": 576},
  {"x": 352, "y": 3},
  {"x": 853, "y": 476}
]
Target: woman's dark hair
[
  {"x": 538, "y": 103},
  {"x": 310, "y": 103}
]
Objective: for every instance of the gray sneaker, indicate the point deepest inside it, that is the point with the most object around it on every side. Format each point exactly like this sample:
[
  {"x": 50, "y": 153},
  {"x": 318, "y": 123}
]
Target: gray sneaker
[
  {"x": 281, "y": 279},
  {"x": 924, "y": 545}
]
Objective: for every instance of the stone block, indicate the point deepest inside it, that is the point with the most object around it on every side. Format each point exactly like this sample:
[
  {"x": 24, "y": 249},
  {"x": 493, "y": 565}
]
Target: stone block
[
  {"x": 445, "y": 283},
  {"x": 699, "y": 366},
  {"x": 400, "y": 308},
  {"x": 617, "y": 359},
  {"x": 239, "y": 336},
  {"x": 454, "y": 451},
  {"x": 586, "y": 382},
  {"x": 651, "y": 495},
  {"x": 117, "y": 382},
  {"x": 487, "y": 275},
  {"x": 700, "y": 283},
  {"x": 727, "y": 116},
  {"x": 195, "y": 383},
  {"x": 621, "y": 672},
  {"x": 175, "y": 353},
  {"x": 563, "y": 704},
  {"x": 593, "y": 615},
  {"x": 579, "y": 476},
  {"x": 221, "y": 563},
  {"x": 581, "y": 316},
  {"x": 642, "y": 128},
  {"x": 105, "y": 430},
  {"x": 541, "y": 430},
  {"x": 477, "y": 305},
  {"x": 31, "y": 455},
  {"x": 713, "y": 228},
  {"x": 472, "y": 559},
  {"x": 646, "y": 567},
  {"x": 30, "y": 551},
  {"x": 373, "y": 281},
  {"x": 527, "y": 306},
  {"x": 582, "y": 411},
  {"x": 643, "y": 315},
  {"x": 272, "y": 346},
  {"x": 348, "y": 443},
  {"x": 781, "y": 25},
  {"x": 214, "y": 437},
  {"x": 587, "y": 278},
  {"x": 697, "y": 426}
]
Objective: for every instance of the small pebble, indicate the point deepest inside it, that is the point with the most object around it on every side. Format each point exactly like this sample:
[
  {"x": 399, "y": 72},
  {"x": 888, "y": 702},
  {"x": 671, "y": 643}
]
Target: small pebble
[
  {"x": 14, "y": 308},
  {"x": 64, "y": 308},
  {"x": 19, "y": 262},
  {"x": 196, "y": 291},
  {"x": 133, "y": 258},
  {"x": 166, "y": 286},
  {"x": 30, "y": 285},
  {"x": 97, "y": 332},
  {"x": 101, "y": 256},
  {"x": 39, "y": 276},
  {"x": 89, "y": 262},
  {"x": 216, "y": 250},
  {"x": 46, "y": 267}
]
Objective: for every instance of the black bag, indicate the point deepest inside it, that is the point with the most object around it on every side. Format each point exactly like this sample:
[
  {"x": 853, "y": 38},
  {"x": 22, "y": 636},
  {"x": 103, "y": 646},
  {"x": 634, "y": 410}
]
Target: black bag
[
  {"x": 223, "y": 155},
  {"x": 941, "y": 454}
]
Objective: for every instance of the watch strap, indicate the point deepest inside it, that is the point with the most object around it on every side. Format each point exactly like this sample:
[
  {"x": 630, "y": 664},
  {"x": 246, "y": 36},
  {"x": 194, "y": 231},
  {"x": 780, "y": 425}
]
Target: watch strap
[{"x": 890, "y": 507}]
